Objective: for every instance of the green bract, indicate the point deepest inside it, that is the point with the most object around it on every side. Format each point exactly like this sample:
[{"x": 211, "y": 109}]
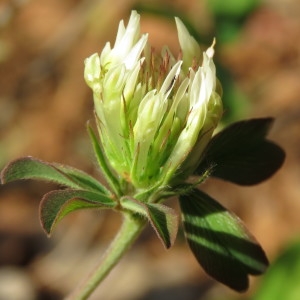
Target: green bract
[{"x": 155, "y": 113}]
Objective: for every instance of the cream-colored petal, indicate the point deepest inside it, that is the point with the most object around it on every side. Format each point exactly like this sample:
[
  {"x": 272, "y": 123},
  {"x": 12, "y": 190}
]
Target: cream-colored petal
[
  {"x": 92, "y": 70},
  {"x": 189, "y": 46},
  {"x": 135, "y": 53},
  {"x": 170, "y": 80}
]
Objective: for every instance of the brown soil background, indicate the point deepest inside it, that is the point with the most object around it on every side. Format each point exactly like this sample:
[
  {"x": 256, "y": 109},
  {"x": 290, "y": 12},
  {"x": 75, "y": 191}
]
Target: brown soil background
[{"x": 44, "y": 106}]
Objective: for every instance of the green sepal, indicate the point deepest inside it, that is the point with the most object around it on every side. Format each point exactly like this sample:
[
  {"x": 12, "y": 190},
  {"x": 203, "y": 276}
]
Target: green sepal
[
  {"x": 57, "y": 204},
  {"x": 163, "y": 219},
  {"x": 220, "y": 241},
  {"x": 109, "y": 176},
  {"x": 32, "y": 168},
  {"x": 242, "y": 154}
]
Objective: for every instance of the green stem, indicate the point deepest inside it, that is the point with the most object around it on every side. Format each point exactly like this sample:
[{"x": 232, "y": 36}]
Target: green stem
[{"x": 128, "y": 232}]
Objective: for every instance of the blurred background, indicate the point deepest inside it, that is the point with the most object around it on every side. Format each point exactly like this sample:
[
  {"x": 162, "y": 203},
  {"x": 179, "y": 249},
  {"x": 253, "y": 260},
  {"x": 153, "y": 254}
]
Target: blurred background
[{"x": 44, "y": 106}]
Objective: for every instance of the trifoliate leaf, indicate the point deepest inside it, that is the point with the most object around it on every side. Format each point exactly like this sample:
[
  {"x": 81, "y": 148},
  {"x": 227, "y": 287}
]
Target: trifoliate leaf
[
  {"x": 220, "y": 241},
  {"x": 242, "y": 154},
  {"x": 32, "y": 168},
  {"x": 57, "y": 204},
  {"x": 163, "y": 219}
]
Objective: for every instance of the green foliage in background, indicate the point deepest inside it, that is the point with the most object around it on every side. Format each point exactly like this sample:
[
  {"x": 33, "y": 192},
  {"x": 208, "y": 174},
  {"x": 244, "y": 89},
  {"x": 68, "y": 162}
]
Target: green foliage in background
[
  {"x": 282, "y": 280},
  {"x": 230, "y": 16}
]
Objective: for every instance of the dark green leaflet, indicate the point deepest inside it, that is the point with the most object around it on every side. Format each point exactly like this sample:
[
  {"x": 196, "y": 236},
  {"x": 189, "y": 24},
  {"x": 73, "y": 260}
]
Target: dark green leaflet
[{"x": 220, "y": 242}]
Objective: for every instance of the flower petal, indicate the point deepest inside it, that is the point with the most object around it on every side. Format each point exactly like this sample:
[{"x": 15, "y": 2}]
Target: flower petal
[{"x": 189, "y": 46}]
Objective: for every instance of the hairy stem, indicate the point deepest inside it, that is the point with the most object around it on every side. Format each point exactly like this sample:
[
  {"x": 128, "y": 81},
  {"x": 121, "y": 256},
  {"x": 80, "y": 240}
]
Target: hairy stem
[{"x": 127, "y": 234}]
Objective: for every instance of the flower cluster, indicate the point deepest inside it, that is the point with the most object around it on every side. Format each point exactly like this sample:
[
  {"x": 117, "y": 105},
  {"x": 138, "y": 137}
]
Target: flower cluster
[{"x": 155, "y": 113}]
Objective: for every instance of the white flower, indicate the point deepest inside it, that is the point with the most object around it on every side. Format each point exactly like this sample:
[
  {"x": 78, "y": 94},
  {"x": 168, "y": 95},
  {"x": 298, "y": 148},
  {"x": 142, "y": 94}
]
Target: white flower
[{"x": 155, "y": 114}]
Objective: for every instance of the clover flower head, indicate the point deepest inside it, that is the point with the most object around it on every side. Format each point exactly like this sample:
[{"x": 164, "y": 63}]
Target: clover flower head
[{"x": 155, "y": 113}]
